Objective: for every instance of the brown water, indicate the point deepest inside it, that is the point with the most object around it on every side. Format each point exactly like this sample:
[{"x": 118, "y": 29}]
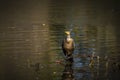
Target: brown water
[{"x": 31, "y": 35}]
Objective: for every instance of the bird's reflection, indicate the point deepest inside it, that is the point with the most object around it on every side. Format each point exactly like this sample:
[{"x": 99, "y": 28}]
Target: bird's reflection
[{"x": 68, "y": 71}]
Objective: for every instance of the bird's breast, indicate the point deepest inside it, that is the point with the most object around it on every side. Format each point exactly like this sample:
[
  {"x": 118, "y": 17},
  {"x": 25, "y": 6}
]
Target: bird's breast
[{"x": 68, "y": 44}]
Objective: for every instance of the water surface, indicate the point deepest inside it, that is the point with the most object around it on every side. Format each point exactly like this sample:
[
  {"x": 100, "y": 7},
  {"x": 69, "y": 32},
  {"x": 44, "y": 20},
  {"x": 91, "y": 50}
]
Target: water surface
[{"x": 31, "y": 35}]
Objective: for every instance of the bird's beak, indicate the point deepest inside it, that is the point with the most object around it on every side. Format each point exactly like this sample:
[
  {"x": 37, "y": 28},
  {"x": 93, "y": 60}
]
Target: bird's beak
[{"x": 67, "y": 32}]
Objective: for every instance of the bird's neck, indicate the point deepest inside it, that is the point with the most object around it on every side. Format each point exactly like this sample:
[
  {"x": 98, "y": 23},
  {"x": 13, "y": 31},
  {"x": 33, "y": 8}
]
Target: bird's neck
[{"x": 68, "y": 38}]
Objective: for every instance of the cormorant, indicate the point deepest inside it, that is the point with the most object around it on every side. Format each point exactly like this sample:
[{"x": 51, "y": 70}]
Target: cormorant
[{"x": 68, "y": 45}]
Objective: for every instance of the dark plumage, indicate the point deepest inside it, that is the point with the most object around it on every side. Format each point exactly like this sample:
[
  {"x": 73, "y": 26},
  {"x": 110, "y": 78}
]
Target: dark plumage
[{"x": 68, "y": 45}]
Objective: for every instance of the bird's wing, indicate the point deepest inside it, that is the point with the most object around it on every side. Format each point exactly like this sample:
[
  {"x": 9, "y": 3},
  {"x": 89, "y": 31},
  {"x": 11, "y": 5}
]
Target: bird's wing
[
  {"x": 73, "y": 43},
  {"x": 64, "y": 51}
]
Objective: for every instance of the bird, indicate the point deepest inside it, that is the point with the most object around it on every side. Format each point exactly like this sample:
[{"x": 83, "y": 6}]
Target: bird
[{"x": 68, "y": 45}]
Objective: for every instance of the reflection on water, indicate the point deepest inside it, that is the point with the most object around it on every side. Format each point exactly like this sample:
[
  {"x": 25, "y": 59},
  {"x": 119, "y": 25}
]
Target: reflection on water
[
  {"x": 68, "y": 72},
  {"x": 30, "y": 42}
]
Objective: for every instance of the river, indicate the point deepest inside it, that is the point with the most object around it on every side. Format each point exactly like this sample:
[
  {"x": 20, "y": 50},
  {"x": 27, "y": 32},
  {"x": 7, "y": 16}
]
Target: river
[{"x": 32, "y": 32}]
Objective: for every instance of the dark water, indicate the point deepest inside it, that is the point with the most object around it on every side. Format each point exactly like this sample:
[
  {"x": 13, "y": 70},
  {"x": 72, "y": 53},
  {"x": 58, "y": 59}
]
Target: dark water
[{"x": 31, "y": 33}]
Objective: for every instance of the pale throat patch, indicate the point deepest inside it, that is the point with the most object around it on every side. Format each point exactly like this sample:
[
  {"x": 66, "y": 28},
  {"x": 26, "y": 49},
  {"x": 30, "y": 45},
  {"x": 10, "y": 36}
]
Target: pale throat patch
[{"x": 69, "y": 39}]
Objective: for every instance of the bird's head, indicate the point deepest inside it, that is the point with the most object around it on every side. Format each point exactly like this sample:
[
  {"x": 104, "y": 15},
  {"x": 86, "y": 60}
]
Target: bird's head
[{"x": 67, "y": 32}]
